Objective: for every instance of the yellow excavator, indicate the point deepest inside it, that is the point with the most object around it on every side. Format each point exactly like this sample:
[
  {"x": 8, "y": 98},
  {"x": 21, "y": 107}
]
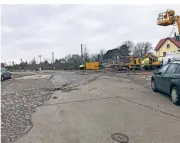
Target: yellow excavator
[
  {"x": 150, "y": 62},
  {"x": 169, "y": 18},
  {"x": 131, "y": 62}
]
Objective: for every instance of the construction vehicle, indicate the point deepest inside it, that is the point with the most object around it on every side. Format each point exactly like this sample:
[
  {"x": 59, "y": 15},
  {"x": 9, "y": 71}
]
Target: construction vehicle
[
  {"x": 131, "y": 62},
  {"x": 81, "y": 67},
  {"x": 150, "y": 62},
  {"x": 169, "y": 18},
  {"x": 92, "y": 66}
]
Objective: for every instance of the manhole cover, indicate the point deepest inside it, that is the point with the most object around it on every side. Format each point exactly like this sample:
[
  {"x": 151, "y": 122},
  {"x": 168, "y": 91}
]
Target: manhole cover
[
  {"x": 122, "y": 138},
  {"x": 54, "y": 97}
]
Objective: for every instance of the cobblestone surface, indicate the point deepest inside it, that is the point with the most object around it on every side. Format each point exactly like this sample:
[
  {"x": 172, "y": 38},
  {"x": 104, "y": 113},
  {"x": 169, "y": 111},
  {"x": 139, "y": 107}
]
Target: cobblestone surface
[{"x": 19, "y": 99}]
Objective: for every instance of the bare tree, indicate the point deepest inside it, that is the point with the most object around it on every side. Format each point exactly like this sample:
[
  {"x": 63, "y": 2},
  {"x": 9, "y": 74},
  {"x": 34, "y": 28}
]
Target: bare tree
[
  {"x": 101, "y": 54},
  {"x": 125, "y": 48},
  {"x": 130, "y": 45},
  {"x": 147, "y": 47},
  {"x": 67, "y": 58},
  {"x": 45, "y": 65},
  {"x": 141, "y": 49},
  {"x": 76, "y": 59},
  {"x": 93, "y": 57},
  {"x": 33, "y": 64}
]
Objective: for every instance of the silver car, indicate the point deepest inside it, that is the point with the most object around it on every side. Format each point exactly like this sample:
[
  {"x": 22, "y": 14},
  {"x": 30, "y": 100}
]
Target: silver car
[{"x": 5, "y": 74}]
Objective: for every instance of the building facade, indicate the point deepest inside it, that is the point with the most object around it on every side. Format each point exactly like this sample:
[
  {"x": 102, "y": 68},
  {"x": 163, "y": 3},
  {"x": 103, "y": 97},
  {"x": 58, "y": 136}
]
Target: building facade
[{"x": 167, "y": 45}]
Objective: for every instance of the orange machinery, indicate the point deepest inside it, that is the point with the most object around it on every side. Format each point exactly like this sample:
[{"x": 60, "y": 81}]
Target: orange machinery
[{"x": 169, "y": 18}]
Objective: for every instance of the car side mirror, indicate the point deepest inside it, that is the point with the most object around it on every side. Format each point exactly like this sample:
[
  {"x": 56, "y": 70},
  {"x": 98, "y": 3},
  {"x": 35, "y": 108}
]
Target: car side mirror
[{"x": 158, "y": 72}]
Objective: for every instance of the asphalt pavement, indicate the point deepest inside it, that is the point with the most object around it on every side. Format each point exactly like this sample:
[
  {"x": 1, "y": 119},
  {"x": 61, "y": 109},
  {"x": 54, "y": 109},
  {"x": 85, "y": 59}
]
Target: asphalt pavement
[
  {"x": 88, "y": 107},
  {"x": 106, "y": 110},
  {"x": 21, "y": 96}
]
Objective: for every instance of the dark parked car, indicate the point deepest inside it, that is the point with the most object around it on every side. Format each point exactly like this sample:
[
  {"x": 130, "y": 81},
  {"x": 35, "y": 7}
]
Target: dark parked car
[
  {"x": 167, "y": 79},
  {"x": 5, "y": 74}
]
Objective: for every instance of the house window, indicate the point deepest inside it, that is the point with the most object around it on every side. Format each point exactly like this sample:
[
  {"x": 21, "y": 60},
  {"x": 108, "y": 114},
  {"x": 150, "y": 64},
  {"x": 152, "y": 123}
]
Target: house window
[
  {"x": 164, "y": 54},
  {"x": 168, "y": 46},
  {"x": 178, "y": 50}
]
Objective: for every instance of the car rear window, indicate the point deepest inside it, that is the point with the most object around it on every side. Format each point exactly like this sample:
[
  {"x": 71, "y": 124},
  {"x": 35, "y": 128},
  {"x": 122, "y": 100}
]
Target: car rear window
[
  {"x": 178, "y": 70},
  {"x": 172, "y": 68}
]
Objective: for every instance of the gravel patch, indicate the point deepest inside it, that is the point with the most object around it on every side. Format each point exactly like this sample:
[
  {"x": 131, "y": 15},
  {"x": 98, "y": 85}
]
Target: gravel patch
[
  {"x": 19, "y": 100},
  {"x": 35, "y": 77}
]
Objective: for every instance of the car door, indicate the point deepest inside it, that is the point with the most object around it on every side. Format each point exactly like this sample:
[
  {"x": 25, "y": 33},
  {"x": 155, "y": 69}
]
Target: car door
[
  {"x": 5, "y": 73},
  {"x": 159, "y": 75},
  {"x": 177, "y": 77},
  {"x": 168, "y": 76}
]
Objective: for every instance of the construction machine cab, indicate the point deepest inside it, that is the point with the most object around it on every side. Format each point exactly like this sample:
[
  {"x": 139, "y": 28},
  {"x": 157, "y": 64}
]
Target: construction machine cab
[{"x": 166, "y": 18}]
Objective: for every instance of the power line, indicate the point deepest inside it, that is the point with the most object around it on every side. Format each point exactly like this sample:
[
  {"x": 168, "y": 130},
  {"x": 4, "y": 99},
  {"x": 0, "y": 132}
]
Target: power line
[{"x": 171, "y": 32}]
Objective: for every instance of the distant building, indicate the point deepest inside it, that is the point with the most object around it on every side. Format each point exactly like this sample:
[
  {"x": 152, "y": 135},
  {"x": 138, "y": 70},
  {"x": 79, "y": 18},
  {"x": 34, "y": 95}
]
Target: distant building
[
  {"x": 167, "y": 45},
  {"x": 111, "y": 55}
]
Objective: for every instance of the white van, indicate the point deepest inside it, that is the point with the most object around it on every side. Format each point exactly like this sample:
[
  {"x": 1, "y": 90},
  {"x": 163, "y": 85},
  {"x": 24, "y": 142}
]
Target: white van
[{"x": 171, "y": 57}]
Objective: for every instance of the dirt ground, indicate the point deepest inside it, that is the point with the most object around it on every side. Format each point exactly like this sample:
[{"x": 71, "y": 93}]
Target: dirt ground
[{"x": 91, "y": 107}]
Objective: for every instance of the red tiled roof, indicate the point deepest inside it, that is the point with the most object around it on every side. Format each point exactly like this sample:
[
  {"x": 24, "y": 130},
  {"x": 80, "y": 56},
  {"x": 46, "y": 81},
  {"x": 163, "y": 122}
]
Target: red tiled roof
[{"x": 161, "y": 42}]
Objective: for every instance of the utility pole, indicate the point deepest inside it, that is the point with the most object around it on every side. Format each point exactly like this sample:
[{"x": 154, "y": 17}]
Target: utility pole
[
  {"x": 39, "y": 59},
  {"x": 21, "y": 64},
  {"x": 82, "y": 53},
  {"x": 39, "y": 62},
  {"x": 53, "y": 60},
  {"x": 85, "y": 54},
  {"x": 52, "y": 57},
  {"x": 13, "y": 65}
]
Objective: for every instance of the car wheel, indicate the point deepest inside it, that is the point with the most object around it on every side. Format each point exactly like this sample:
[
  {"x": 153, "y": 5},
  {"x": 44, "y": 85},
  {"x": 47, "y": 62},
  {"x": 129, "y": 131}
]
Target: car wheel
[
  {"x": 175, "y": 95},
  {"x": 2, "y": 77},
  {"x": 153, "y": 85}
]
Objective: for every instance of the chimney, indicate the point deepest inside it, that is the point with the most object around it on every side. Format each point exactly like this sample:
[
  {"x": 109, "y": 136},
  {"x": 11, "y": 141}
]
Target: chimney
[{"x": 177, "y": 37}]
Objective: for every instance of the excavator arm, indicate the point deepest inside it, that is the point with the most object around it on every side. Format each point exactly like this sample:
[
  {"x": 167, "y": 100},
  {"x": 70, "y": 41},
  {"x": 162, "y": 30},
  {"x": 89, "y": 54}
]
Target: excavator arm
[{"x": 177, "y": 18}]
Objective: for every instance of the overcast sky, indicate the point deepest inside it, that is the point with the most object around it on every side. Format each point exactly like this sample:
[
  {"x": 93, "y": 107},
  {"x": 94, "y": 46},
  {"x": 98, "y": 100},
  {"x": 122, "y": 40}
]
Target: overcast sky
[{"x": 30, "y": 30}]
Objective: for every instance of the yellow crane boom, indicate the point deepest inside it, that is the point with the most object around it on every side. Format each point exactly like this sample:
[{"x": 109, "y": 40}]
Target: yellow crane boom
[{"x": 169, "y": 18}]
